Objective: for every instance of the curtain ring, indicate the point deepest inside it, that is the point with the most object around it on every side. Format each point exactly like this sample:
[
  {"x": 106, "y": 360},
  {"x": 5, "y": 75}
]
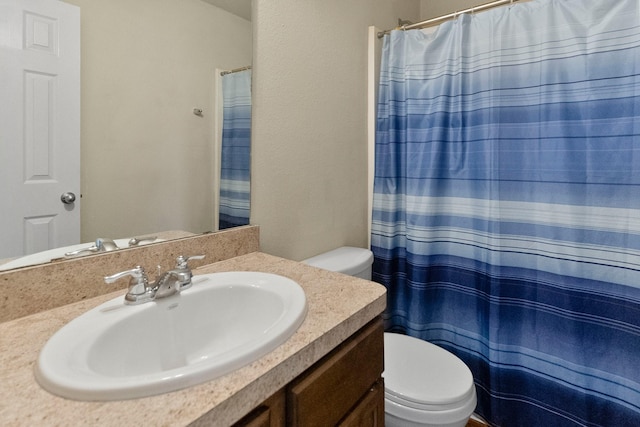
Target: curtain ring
[{"x": 455, "y": 14}]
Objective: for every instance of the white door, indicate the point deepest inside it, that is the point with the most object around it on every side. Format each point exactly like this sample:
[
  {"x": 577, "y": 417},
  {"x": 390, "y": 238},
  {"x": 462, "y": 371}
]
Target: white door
[{"x": 39, "y": 125}]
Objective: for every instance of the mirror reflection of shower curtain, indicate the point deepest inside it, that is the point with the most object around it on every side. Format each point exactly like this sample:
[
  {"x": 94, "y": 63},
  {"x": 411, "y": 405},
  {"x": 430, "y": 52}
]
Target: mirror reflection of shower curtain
[{"x": 235, "y": 184}]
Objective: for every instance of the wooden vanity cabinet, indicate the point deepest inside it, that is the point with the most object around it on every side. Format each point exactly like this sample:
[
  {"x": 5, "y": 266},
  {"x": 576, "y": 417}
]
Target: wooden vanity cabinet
[
  {"x": 345, "y": 388},
  {"x": 340, "y": 384}
]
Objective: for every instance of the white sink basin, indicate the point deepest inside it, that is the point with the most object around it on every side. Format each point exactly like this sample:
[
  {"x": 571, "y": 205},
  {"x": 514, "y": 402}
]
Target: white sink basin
[{"x": 223, "y": 322}]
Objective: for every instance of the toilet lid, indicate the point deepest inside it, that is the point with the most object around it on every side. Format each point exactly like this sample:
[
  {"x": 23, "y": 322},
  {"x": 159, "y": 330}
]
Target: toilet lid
[
  {"x": 347, "y": 260},
  {"x": 420, "y": 373}
]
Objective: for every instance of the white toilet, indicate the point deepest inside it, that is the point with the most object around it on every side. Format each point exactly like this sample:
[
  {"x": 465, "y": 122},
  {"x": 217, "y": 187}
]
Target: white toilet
[{"x": 425, "y": 385}]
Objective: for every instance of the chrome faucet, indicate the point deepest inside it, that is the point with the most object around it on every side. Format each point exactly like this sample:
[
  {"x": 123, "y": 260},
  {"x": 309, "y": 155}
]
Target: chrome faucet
[
  {"x": 166, "y": 284},
  {"x": 175, "y": 280},
  {"x": 102, "y": 245}
]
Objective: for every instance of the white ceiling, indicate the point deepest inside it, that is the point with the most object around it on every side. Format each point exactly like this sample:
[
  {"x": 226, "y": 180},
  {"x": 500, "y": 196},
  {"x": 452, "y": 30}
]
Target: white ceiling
[{"x": 241, "y": 8}]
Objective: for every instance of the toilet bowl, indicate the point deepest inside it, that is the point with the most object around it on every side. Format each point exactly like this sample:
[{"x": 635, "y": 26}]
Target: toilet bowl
[{"x": 425, "y": 385}]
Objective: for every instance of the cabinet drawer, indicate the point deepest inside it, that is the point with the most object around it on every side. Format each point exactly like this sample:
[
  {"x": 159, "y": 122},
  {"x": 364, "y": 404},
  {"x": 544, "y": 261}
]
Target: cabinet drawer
[{"x": 333, "y": 386}]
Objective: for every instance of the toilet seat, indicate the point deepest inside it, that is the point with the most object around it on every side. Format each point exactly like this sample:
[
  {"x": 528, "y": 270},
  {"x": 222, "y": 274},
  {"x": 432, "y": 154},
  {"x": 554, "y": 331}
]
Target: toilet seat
[{"x": 424, "y": 380}]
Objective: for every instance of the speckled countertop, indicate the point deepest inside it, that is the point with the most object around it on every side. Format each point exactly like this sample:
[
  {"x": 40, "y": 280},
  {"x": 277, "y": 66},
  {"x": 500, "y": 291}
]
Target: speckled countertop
[{"x": 338, "y": 306}]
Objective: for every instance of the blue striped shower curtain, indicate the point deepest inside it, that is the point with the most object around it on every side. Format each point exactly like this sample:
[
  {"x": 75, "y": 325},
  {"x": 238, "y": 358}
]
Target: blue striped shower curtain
[
  {"x": 235, "y": 184},
  {"x": 506, "y": 218}
]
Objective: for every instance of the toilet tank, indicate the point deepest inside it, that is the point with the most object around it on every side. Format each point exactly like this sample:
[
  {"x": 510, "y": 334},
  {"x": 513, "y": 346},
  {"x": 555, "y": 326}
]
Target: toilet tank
[{"x": 347, "y": 260}]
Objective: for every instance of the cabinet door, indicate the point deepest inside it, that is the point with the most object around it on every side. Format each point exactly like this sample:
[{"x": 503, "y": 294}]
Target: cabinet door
[
  {"x": 271, "y": 413},
  {"x": 333, "y": 387},
  {"x": 370, "y": 410}
]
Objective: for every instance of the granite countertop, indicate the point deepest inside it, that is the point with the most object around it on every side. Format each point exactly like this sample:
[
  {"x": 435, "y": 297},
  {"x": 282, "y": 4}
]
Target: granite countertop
[{"x": 338, "y": 306}]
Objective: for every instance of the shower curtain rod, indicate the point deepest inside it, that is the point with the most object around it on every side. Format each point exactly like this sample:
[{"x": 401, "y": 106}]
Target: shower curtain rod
[
  {"x": 440, "y": 19},
  {"x": 235, "y": 70}
]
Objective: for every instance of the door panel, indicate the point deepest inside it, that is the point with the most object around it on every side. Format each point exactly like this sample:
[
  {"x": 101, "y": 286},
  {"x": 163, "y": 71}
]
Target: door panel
[{"x": 39, "y": 125}]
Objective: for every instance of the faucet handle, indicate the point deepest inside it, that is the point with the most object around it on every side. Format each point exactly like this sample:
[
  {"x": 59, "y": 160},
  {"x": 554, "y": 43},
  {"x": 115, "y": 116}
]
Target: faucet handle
[
  {"x": 138, "y": 284},
  {"x": 183, "y": 272},
  {"x": 90, "y": 249},
  {"x": 136, "y": 273},
  {"x": 135, "y": 241},
  {"x": 183, "y": 263}
]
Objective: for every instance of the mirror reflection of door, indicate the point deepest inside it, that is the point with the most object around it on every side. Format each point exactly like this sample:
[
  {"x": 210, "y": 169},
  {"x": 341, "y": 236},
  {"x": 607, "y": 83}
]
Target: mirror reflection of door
[
  {"x": 40, "y": 127},
  {"x": 235, "y": 178}
]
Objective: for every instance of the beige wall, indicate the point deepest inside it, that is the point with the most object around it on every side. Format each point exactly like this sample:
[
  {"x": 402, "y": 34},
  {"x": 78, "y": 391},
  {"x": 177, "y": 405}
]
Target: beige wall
[
  {"x": 146, "y": 158},
  {"x": 309, "y": 153}
]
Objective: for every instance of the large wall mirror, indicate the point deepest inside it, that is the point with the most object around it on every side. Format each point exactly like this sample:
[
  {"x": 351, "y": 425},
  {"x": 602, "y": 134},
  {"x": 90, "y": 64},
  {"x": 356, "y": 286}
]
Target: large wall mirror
[{"x": 151, "y": 112}]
